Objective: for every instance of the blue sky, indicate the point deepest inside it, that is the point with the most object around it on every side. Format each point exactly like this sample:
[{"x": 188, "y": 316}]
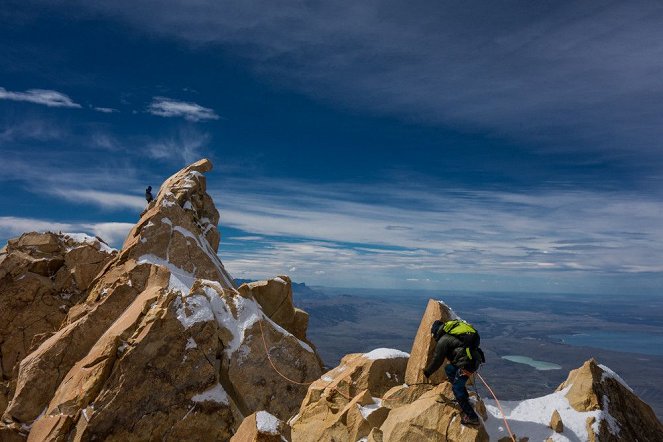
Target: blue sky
[{"x": 428, "y": 144}]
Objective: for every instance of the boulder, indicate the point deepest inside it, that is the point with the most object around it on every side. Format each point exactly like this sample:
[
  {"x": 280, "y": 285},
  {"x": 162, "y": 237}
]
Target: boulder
[
  {"x": 424, "y": 344},
  {"x": 262, "y": 427},
  {"x": 556, "y": 422}
]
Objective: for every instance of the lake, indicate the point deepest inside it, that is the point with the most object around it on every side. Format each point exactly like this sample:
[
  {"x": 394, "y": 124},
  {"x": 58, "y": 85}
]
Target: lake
[{"x": 539, "y": 365}]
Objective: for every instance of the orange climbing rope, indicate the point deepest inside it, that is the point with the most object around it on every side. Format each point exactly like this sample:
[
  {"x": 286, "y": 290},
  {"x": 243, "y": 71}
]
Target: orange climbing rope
[
  {"x": 269, "y": 358},
  {"x": 498, "y": 406}
]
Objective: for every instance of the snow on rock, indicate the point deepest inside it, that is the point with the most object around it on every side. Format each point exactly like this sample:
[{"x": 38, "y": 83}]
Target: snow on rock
[
  {"x": 531, "y": 418},
  {"x": 366, "y": 410},
  {"x": 90, "y": 240},
  {"x": 609, "y": 374},
  {"x": 279, "y": 279},
  {"x": 180, "y": 280},
  {"x": 613, "y": 425},
  {"x": 266, "y": 423},
  {"x": 215, "y": 394},
  {"x": 385, "y": 353},
  {"x": 191, "y": 343},
  {"x": 452, "y": 313}
]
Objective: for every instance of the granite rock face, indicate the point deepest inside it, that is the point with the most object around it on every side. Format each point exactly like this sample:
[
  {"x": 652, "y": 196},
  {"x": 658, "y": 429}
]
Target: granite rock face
[
  {"x": 42, "y": 276},
  {"x": 164, "y": 346}
]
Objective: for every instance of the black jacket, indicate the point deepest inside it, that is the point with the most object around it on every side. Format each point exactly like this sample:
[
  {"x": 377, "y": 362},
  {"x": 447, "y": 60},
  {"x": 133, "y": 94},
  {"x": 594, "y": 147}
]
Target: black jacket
[{"x": 451, "y": 348}]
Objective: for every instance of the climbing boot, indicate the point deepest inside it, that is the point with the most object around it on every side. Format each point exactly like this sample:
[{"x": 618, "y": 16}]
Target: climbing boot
[{"x": 470, "y": 421}]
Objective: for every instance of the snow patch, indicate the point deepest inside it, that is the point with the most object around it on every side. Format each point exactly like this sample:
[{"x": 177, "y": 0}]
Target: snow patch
[
  {"x": 266, "y": 423},
  {"x": 187, "y": 205},
  {"x": 190, "y": 343},
  {"x": 451, "y": 312},
  {"x": 366, "y": 410},
  {"x": 613, "y": 425},
  {"x": 385, "y": 353},
  {"x": 327, "y": 378},
  {"x": 203, "y": 245},
  {"x": 609, "y": 374},
  {"x": 531, "y": 417},
  {"x": 90, "y": 240},
  {"x": 277, "y": 279},
  {"x": 215, "y": 394},
  {"x": 180, "y": 280},
  {"x": 193, "y": 309}
]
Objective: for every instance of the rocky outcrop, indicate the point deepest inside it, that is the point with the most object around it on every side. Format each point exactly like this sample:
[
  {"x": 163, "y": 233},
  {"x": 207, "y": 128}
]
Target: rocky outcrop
[
  {"x": 430, "y": 415},
  {"x": 344, "y": 403},
  {"x": 42, "y": 276},
  {"x": 262, "y": 427},
  {"x": 365, "y": 397},
  {"x": 556, "y": 423},
  {"x": 275, "y": 298},
  {"x": 616, "y": 412},
  {"x": 164, "y": 346},
  {"x": 424, "y": 344}
]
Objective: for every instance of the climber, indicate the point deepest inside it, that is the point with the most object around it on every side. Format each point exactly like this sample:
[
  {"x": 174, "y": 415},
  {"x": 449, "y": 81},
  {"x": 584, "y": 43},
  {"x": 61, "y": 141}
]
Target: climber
[
  {"x": 464, "y": 357},
  {"x": 148, "y": 194}
]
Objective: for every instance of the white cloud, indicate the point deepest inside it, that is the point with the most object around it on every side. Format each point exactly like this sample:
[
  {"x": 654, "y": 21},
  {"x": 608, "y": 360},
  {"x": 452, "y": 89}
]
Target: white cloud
[
  {"x": 40, "y": 96},
  {"x": 167, "y": 107},
  {"x": 100, "y": 198},
  {"x": 106, "y": 110},
  {"x": 112, "y": 232},
  {"x": 450, "y": 231},
  {"x": 185, "y": 146}
]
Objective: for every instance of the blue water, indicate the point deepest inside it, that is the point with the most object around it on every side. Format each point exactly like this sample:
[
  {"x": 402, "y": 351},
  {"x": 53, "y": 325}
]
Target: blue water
[
  {"x": 630, "y": 342},
  {"x": 539, "y": 365}
]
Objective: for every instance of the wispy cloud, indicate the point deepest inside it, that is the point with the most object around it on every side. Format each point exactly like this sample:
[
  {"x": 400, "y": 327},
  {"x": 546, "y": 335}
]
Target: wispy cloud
[
  {"x": 451, "y": 231},
  {"x": 167, "y": 107},
  {"x": 105, "y": 110},
  {"x": 103, "y": 199},
  {"x": 30, "y": 128},
  {"x": 40, "y": 96},
  {"x": 186, "y": 145}
]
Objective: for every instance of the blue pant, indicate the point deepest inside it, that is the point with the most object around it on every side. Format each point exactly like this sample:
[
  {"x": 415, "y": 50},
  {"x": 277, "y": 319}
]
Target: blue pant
[{"x": 458, "y": 381}]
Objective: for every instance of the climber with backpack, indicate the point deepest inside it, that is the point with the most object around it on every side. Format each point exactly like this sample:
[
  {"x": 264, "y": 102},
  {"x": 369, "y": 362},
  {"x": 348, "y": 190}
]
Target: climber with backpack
[{"x": 458, "y": 342}]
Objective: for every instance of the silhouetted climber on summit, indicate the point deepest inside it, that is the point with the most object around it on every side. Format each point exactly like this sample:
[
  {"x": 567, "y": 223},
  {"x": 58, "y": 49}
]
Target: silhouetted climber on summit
[{"x": 148, "y": 194}]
